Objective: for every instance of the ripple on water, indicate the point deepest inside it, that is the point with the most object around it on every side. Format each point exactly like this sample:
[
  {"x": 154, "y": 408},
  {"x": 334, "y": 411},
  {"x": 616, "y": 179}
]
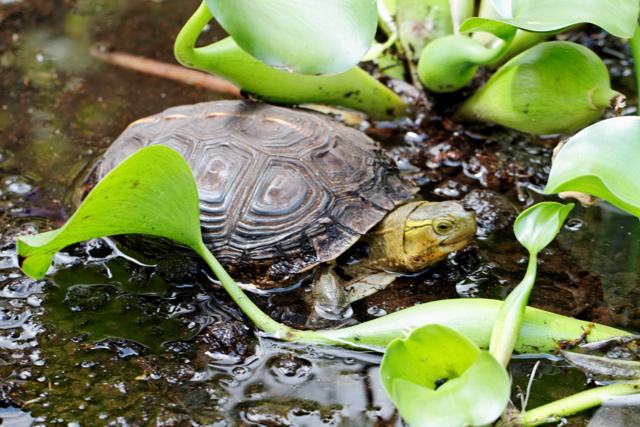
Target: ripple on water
[
  {"x": 290, "y": 369},
  {"x": 18, "y": 185},
  {"x": 19, "y": 301}
]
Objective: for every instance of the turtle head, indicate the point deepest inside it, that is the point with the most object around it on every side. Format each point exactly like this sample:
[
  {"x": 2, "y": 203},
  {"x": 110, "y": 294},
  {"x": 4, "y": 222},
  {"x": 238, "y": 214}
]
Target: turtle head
[
  {"x": 419, "y": 234},
  {"x": 434, "y": 229}
]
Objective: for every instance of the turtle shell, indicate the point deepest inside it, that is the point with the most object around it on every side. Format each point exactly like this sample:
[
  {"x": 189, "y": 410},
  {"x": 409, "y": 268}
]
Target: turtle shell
[{"x": 281, "y": 190}]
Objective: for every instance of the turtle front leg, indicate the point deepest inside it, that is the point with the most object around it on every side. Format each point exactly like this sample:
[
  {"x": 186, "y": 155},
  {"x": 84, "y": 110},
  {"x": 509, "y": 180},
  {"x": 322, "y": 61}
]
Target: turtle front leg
[
  {"x": 327, "y": 299},
  {"x": 331, "y": 297},
  {"x": 368, "y": 285}
]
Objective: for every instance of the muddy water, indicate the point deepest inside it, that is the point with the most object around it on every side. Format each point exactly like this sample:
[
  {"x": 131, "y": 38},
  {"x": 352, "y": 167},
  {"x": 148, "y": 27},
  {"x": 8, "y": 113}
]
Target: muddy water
[{"x": 117, "y": 336}]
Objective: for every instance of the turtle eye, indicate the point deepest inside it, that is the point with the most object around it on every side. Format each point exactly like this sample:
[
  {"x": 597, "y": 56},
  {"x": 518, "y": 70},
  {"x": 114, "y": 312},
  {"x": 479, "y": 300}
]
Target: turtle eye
[{"x": 443, "y": 227}]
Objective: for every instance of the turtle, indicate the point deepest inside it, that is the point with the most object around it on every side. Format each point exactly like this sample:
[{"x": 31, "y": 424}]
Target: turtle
[{"x": 286, "y": 194}]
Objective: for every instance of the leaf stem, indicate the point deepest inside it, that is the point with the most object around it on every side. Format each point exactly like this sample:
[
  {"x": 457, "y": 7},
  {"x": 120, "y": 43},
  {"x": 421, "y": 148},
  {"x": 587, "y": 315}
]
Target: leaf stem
[
  {"x": 511, "y": 315},
  {"x": 634, "y": 43},
  {"x": 253, "y": 312},
  {"x": 389, "y": 27},
  {"x": 554, "y": 411},
  {"x": 184, "y": 47},
  {"x": 461, "y": 10}
]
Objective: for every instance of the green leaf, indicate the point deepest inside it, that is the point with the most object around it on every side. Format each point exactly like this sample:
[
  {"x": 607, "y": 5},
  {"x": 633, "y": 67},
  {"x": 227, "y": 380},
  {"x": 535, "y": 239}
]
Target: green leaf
[
  {"x": 537, "y": 226},
  {"x": 152, "y": 193},
  {"x": 437, "y": 376},
  {"x": 305, "y": 36},
  {"x": 618, "y": 17},
  {"x": 602, "y": 160}
]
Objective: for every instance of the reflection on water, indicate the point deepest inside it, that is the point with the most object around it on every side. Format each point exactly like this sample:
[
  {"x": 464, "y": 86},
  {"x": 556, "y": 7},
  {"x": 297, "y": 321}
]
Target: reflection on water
[
  {"x": 619, "y": 412},
  {"x": 607, "y": 242}
]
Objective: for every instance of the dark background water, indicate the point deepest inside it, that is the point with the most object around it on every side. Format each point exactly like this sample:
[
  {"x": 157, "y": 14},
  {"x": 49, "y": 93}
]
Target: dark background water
[{"x": 113, "y": 338}]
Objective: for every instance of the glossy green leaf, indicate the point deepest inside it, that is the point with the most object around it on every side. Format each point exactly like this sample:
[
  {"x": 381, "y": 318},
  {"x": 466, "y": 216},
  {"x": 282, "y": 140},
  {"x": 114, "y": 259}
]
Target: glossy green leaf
[
  {"x": 618, "y": 17},
  {"x": 305, "y": 36},
  {"x": 537, "y": 226},
  {"x": 151, "y": 192},
  {"x": 127, "y": 202},
  {"x": 602, "y": 160},
  {"x": 438, "y": 377}
]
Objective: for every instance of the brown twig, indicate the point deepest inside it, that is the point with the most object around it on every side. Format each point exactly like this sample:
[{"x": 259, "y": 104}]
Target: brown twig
[{"x": 168, "y": 71}]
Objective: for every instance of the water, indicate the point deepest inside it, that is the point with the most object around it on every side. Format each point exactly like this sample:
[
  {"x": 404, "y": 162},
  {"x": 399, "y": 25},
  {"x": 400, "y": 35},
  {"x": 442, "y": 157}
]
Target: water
[{"x": 137, "y": 338}]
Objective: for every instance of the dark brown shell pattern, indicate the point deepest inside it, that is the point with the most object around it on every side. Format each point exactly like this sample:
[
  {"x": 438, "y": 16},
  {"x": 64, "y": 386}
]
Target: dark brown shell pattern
[{"x": 281, "y": 190}]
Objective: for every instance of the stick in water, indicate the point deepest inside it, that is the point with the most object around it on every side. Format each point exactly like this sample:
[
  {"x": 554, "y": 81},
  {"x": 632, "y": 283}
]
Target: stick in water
[{"x": 167, "y": 71}]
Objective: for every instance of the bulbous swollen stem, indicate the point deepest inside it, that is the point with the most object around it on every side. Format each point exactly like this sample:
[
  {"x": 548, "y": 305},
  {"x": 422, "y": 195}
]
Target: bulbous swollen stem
[
  {"x": 184, "y": 47},
  {"x": 449, "y": 63},
  {"x": 608, "y": 98},
  {"x": 354, "y": 89}
]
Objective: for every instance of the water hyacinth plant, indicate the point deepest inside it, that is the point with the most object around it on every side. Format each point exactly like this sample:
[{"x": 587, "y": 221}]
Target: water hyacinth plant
[
  {"x": 296, "y": 52},
  {"x": 535, "y": 228},
  {"x": 438, "y": 377},
  {"x": 618, "y": 17},
  {"x": 348, "y": 85}
]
